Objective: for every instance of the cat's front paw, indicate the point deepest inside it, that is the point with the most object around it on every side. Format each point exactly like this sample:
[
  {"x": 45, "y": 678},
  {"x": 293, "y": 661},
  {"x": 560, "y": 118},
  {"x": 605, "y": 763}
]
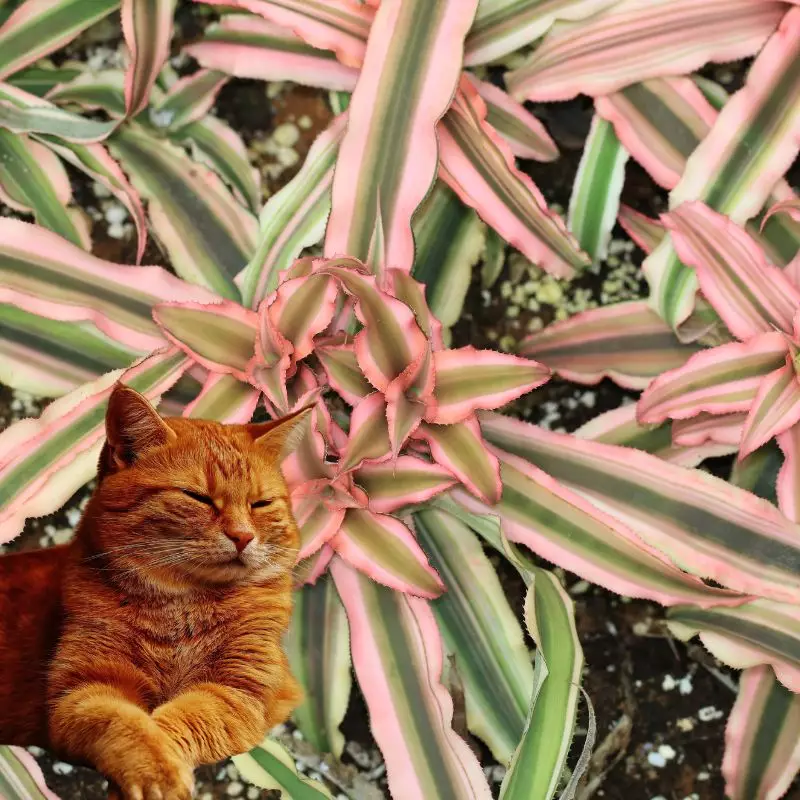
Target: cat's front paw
[{"x": 166, "y": 779}]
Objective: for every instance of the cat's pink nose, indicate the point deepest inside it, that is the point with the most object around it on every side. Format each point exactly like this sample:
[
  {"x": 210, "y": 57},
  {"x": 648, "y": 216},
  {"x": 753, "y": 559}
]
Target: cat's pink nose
[{"x": 241, "y": 538}]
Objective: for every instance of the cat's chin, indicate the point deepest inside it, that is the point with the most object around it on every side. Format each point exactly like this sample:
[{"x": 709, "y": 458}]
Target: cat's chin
[{"x": 236, "y": 571}]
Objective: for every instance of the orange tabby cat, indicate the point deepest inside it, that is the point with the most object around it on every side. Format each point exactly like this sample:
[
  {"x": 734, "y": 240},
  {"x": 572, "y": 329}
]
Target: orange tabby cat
[{"x": 152, "y": 643}]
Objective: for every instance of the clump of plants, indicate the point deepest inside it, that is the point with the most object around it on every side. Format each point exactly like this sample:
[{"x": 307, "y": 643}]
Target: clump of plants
[{"x": 409, "y": 475}]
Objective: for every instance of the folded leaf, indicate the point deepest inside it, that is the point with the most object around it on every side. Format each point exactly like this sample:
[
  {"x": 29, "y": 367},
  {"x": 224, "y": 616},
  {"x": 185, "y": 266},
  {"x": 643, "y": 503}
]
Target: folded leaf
[
  {"x": 21, "y": 777},
  {"x": 207, "y": 234},
  {"x": 402, "y": 482},
  {"x": 377, "y": 187},
  {"x": 775, "y": 409},
  {"x": 344, "y": 374},
  {"x": 762, "y": 738},
  {"x": 397, "y": 656},
  {"x": 383, "y": 548},
  {"x": 632, "y": 41},
  {"x": 39, "y": 27},
  {"x": 189, "y": 99},
  {"x": 646, "y": 232},
  {"x": 752, "y": 143},
  {"x": 271, "y": 767},
  {"x": 293, "y": 218},
  {"x": 468, "y": 379},
  {"x": 503, "y": 26},
  {"x": 724, "y": 429},
  {"x": 220, "y": 336},
  {"x": 480, "y": 630},
  {"x": 627, "y": 342},
  {"x": 224, "y": 399},
  {"x": 525, "y": 135},
  {"x": 369, "y": 433},
  {"x": 722, "y": 380},
  {"x": 594, "y": 201},
  {"x": 749, "y": 294},
  {"x": 43, "y": 274},
  {"x": 759, "y": 632},
  {"x": 449, "y": 240},
  {"x": 705, "y": 525},
  {"x": 479, "y": 167},
  {"x": 541, "y": 758},
  {"x": 48, "y": 358},
  {"x": 318, "y": 647},
  {"x": 44, "y": 461},
  {"x": 337, "y": 25},
  {"x": 249, "y": 47}
]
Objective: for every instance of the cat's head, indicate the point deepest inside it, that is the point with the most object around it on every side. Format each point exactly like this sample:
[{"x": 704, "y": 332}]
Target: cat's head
[{"x": 192, "y": 502}]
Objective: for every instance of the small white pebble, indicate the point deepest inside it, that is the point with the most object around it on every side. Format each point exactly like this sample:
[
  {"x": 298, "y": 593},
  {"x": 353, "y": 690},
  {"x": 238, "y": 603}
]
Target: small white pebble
[
  {"x": 655, "y": 759},
  {"x": 669, "y": 683},
  {"x": 253, "y": 793},
  {"x": 305, "y": 122},
  {"x": 234, "y": 789},
  {"x": 685, "y": 685},
  {"x": 703, "y": 776},
  {"x": 709, "y": 714},
  {"x": 287, "y": 157},
  {"x": 60, "y": 768},
  {"x": 233, "y": 773},
  {"x": 116, "y": 231},
  {"x": 35, "y": 751},
  {"x": 685, "y": 724},
  {"x": 286, "y": 135},
  {"x": 206, "y": 796},
  {"x": 667, "y": 751},
  {"x": 62, "y": 536},
  {"x": 73, "y": 516},
  {"x": 116, "y": 213},
  {"x": 101, "y": 190}
]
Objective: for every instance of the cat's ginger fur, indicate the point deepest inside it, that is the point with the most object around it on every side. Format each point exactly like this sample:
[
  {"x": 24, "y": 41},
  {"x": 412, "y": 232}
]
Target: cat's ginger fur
[{"x": 152, "y": 642}]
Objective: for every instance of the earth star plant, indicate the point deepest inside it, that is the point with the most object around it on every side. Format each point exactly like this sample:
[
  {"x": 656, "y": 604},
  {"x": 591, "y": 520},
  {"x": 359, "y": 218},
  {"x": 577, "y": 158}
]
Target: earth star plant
[{"x": 408, "y": 473}]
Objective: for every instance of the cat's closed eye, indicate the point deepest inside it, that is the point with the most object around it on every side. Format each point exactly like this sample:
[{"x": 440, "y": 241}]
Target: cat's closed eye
[
  {"x": 200, "y": 498},
  {"x": 261, "y": 504}
]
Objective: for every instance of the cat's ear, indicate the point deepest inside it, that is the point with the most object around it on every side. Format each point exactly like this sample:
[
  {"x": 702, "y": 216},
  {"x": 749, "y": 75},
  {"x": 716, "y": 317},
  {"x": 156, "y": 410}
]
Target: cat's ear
[
  {"x": 281, "y": 436},
  {"x": 133, "y": 426}
]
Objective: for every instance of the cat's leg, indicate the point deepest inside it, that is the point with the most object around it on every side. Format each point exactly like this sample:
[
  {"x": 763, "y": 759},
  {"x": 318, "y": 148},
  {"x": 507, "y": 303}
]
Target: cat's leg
[{"x": 102, "y": 724}]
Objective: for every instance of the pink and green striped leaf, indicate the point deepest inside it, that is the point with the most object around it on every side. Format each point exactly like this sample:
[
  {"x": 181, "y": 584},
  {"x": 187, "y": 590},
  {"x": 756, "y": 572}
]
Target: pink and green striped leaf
[
  {"x": 369, "y": 433},
  {"x": 645, "y": 232},
  {"x": 188, "y": 100},
  {"x": 44, "y": 461},
  {"x": 632, "y": 41},
  {"x": 460, "y": 449},
  {"x": 54, "y": 121},
  {"x": 33, "y": 180},
  {"x": 790, "y": 207},
  {"x": 383, "y": 548},
  {"x": 750, "y": 295},
  {"x": 147, "y": 28},
  {"x": 775, "y": 409},
  {"x": 704, "y": 525},
  {"x": 47, "y": 358},
  {"x": 318, "y": 647},
  {"x": 270, "y": 766},
  {"x": 398, "y": 660},
  {"x": 503, "y": 26},
  {"x": 220, "y": 336},
  {"x": 39, "y": 27},
  {"x": 225, "y": 399},
  {"x": 249, "y": 47},
  {"x": 758, "y": 632},
  {"x": 594, "y": 202},
  {"x": 45, "y": 275},
  {"x": 21, "y": 777},
  {"x": 39, "y": 80},
  {"x": 538, "y": 765},
  {"x": 207, "y": 233},
  {"x": 722, "y": 380},
  {"x": 620, "y": 427},
  {"x": 524, "y": 134},
  {"x": 704, "y": 428},
  {"x": 478, "y": 165},
  {"x": 338, "y": 25},
  {"x": 762, "y": 738},
  {"x": 294, "y": 218},
  {"x": 449, "y": 239},
  {"x": 408, "y": 78},
  {"x": 627, "y": 342},
  {"x": 403, "y": 482},
  {"x": 787, "y": 485},
  {"x": 468, "y": 379},
  {"x": 480, "y": 630},
  {"x": 752, "y": 143},
  {"x": 344, "y": 374}
]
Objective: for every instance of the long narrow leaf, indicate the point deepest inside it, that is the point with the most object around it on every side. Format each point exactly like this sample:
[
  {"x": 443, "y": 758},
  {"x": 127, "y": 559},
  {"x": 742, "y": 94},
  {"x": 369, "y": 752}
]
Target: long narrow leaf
[
  {"x": 47, "y": 119},
  {"x": 189, "y": 99},
  {"x": 21, "y": 777},
  {"x": 632, "y": 41},
  {"x": 594, "y": 201},
  {"x": 224, "y": 399},
  {"x": 208, "y": 235},
  {"x": 397, "y": 655},
  {"x": 44, "y": 461},
  {"x": 482, "y": 632},
  {"x": 705, "y": 525},
  {"x": 318, "y": 647},
  {"x": 407, "y": 81},
  {"x": 479, "y": 167},
  {"x": 762, "y": 738}
]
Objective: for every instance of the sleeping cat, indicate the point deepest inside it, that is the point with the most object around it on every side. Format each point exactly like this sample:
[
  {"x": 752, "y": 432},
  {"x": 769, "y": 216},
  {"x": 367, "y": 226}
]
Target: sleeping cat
[{"x": 152, "y": 642}]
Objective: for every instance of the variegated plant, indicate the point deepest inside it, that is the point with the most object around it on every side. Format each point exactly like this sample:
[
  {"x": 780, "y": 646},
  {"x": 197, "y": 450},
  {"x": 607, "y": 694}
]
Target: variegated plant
[{"x": 407, "y": 473}]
